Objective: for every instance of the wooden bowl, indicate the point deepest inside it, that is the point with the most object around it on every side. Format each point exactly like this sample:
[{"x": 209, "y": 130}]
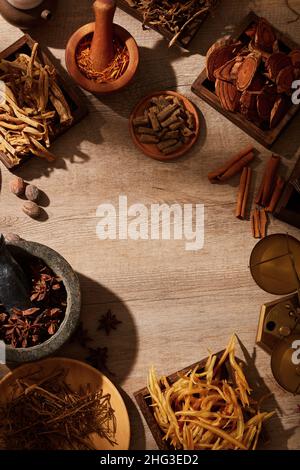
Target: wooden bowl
[
  {"x": 151, "y": 150},
  {"x": 92, "y": 85},
  {"x": 78, "y": 374}
]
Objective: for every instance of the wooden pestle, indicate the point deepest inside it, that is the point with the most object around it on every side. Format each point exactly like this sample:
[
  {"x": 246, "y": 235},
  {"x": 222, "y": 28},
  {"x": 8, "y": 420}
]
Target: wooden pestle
[{"x": 102, "y": 49}]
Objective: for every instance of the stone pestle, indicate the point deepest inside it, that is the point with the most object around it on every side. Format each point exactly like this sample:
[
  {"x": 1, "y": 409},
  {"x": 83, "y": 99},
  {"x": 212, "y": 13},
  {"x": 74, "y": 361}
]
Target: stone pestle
[{"x": 14, "y": 286}]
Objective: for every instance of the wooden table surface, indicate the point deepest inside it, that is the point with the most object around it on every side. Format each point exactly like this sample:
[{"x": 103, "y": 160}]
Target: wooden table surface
[{"x": 174, "y": 304}]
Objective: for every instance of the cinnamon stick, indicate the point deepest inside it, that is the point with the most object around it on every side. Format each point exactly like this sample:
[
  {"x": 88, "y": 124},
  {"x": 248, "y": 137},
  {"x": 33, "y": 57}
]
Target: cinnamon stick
[
  {"x": 233, "y": 166},
  {"x": 252, "y": 224},
  {"x": 263, "y": 219},
  {"x": 256, "y": 223},
  {"x": 259, "y": 223},
  {"x": 276, "y": 194},
  {"x": 265, "y": 191},
  {"x": 270, "y": 179},
  {"x": 243, "y": 194},
  {"x": 237, "y": 167}
]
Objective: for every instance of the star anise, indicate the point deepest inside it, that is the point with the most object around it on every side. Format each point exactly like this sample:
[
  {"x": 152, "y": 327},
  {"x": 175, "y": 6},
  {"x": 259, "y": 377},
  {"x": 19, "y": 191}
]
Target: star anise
[
  {"x": 81, "y": 336},
  {"x": 52, "y": 327},
  {"x": 29, "y": 327},
  {"x": 3, "y": 317},
  {"x": 52, "y": 312},
  {"x": 24, "y": 313},
  {"x": 108, "y": 322},
  {"x": 98, "y": 358},
  {"x": 39, "y": 291}
]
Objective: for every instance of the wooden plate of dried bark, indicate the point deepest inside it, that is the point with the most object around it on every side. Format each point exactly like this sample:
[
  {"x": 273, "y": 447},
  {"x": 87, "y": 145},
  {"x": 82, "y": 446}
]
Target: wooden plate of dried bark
[
  {"x": 164, "y": 125},
  {"x": 61, "y": 404}
]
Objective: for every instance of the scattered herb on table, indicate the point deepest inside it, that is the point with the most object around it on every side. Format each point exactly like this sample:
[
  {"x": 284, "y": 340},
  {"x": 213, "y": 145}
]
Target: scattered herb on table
[{"x": 108, "y": 322}]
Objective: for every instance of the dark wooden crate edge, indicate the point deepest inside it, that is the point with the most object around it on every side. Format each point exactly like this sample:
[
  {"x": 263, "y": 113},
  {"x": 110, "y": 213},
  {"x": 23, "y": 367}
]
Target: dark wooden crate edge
[
  {"x": 281, "y": 212},
  {"x": 70, "y": 92},
  {"x": 184, "y": 42},
  {"x": 266, "y": 138},
  {"x": 141, "y": 395}
]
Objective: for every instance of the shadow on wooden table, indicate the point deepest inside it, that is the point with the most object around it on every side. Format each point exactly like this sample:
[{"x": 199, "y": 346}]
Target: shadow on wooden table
[
  {"x": 121, "y": 343},
  {"x": 66, "y": 149},
  {"x": 288, "y": 143},
  {"x": 279, "y": 436},
  {"x": 68, "y": 17},
  {"x": 222, "y": 22},
  {"x": 155, "y": 73},
  {"x": 138, "y": 437}
]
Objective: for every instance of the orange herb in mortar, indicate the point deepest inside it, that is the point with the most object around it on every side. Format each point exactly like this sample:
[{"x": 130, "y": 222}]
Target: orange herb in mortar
[{"x": 112, "y": 72}]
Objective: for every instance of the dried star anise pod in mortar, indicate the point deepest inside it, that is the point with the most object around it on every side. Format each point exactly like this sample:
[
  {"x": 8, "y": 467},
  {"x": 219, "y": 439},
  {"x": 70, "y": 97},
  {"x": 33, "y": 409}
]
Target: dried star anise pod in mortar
[{"x": 108, "y": 322}]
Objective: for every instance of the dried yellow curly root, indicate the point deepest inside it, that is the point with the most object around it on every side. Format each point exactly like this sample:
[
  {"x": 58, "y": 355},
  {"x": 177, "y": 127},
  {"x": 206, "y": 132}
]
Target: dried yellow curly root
[{"x": 203, "y": 411}]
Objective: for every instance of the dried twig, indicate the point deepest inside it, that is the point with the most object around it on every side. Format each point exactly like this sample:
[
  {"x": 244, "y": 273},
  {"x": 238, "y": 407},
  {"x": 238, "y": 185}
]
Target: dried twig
[
  {"x": 48, "y": 415},
  {"x": 179, "y": 18},
  {"x": 287, "y": 2}
]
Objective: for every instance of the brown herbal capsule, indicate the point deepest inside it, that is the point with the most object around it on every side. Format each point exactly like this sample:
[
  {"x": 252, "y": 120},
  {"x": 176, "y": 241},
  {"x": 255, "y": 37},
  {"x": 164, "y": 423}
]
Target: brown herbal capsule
[
  {"x": 167, "y": 143},
  {"x": 31, "y": 209},
  {"x": 172, "y": 148},
  {"x": 32, "y": 193},
  {"x": 145, "y": 130},
  {"x": 17, "y": 186},
  {"x": 166, "y": 112},
  {"x": 148, "y": 139},
  {"x": 141, "y": 121}
]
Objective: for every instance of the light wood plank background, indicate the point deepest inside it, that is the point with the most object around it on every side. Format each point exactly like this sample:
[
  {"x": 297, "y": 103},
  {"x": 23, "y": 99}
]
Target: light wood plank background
[{"x": 174, "y": 304}]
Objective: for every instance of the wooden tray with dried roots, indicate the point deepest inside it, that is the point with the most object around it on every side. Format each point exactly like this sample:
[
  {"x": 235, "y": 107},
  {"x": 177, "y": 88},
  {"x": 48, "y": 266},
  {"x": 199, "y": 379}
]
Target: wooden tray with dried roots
[
  {"x": 37, "y": 105},
  {"x": 208, "y": 405},
  {"x": 177, "y": 21}
]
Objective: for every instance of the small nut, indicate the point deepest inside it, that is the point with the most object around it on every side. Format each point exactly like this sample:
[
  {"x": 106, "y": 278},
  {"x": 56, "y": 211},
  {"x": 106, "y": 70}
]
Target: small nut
[
  {"x": 31, "y": 209},
  {"x": 32, "y": 193},
  {"x": 17, "y": 186}
]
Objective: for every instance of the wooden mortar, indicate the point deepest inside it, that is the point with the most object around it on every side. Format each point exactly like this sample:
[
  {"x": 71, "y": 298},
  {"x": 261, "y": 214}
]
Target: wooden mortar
[{"x": 102, "y": 51}]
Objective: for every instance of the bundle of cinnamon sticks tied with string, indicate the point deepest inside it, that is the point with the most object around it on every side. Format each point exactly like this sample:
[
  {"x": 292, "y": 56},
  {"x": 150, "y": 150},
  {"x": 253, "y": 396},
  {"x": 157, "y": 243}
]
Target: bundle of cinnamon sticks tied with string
[{"x": 269, "y": 192}]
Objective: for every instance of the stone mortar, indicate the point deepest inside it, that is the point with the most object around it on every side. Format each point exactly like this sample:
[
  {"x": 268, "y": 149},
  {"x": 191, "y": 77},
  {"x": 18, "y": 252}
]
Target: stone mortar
[{"x": 62, "y": 268}]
